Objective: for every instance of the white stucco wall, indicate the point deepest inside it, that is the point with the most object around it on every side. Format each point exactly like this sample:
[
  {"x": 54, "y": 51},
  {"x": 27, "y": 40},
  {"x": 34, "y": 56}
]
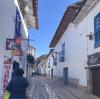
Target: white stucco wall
[
  {"x": 84, "y": 28},
  {"x": 74, "y": 55},
  {"x": 24, "y": 47},
  {"x": 89, "y": 20},
  {"x": 7, "y": 30},
  {"x": 7, "y": 9},
  {"x": 77, "y": 47},
  {"x": 50, "y": 63}
]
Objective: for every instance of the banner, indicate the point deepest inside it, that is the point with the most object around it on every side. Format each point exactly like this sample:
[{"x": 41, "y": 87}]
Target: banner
[
  {"x": 17, "y": 25},
  {"x": 18, "y": 30},
  {"x": 6, "y": 74}
]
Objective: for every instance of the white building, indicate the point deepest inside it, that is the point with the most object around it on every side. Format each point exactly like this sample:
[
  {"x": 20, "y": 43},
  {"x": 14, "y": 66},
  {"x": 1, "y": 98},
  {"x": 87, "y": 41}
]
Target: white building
[
  {"x": 45, "y": 65},
  {"x": 30, "y": 61},
  {"x": 7, "y": 31},
  {"x": 48, "y": 64},
  {"x": 40, "y": 66},
  {"x": 75, "y": 43},
  {"x": 32, "y": 50}
]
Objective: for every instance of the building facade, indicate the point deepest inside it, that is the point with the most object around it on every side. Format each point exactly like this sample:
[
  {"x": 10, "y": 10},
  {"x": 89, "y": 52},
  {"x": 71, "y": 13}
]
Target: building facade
[
  {"x": 30, "y": 61},
  {"x": 41, "y": 64},
  {"x": 13, "y": 40},
  {"x": 77, "y": 47}
]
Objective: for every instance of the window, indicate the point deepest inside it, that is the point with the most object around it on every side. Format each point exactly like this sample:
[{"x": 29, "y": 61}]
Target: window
[
  {"x": 55, "y": 59},
  {"x": 49, "y": 64},
  {"x": 97, "y": 30},
  {"x": 62, "y": 54},
  {"x": 54, "y": 62}
]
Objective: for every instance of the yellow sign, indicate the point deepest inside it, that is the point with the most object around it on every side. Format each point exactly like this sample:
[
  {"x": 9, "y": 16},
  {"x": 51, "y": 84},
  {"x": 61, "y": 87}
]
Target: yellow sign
[{"x": 17, "y": 52}]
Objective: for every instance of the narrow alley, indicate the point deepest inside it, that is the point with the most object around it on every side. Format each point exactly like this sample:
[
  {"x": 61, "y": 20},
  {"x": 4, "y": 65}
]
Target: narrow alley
[
  {"x": 44, "y": 88},
  {"x": 50, "y": 49}
]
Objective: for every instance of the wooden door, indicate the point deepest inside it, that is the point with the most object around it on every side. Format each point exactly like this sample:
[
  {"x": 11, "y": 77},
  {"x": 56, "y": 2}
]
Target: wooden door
[{"x": 96, "y": 81}]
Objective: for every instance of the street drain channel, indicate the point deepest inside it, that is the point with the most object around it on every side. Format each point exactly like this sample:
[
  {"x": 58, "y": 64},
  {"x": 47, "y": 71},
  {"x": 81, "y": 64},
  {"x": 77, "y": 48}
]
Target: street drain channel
[{"x": 51, "y": 92}]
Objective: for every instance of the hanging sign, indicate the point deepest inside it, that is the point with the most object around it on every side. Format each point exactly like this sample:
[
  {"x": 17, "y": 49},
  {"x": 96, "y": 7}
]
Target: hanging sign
[
  {"x": 18, "y": 41},
  {"x": 17, "y": 52}
]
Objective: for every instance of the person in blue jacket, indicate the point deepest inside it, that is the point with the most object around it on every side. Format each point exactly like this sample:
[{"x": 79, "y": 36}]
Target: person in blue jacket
[{"x": 17, "y": 86}]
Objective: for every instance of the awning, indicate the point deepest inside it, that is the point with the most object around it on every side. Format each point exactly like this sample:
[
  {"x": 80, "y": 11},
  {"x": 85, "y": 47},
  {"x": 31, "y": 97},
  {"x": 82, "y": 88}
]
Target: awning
[{"x": 93, "y": 66}]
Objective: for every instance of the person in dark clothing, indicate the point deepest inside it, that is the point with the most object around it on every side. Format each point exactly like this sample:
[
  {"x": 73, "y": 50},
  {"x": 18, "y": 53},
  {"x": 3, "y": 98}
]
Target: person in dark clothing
[
  {"x": 17, "y": 86},
  {"x": 15, "y": 67}
]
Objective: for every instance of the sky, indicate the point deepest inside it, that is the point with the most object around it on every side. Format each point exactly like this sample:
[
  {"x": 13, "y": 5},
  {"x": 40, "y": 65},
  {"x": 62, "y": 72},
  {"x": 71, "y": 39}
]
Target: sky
[{"x": 50, "y": 14}]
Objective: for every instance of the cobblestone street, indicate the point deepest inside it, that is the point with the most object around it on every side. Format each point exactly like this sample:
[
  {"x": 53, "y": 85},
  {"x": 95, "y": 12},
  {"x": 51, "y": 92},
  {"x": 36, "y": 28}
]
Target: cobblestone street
[{"x": 43, "y": 88}]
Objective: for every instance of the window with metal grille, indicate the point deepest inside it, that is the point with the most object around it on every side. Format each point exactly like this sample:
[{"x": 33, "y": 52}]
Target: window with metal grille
[
  {"x": 62, "y": 54},
  {"x": 55, "y": 59},
  {"x": 97, "y": 30}
]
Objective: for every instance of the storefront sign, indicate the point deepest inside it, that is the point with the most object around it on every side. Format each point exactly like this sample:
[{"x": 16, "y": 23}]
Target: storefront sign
[
  {"x": 17, "y": 52},
  {"x": 94, "y": 59}
]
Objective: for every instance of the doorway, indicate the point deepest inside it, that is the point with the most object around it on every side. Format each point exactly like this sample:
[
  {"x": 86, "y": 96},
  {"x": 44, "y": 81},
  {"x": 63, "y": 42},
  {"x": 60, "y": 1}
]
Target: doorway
[
  {"x": 96, "y": 81},
  {"x": 51, "y": 73}
]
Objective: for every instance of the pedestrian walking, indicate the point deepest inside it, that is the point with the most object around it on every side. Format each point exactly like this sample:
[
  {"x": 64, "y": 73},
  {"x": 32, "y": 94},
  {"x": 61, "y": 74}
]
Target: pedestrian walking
[
  {"x": 33, "y": 73},
  {"x": 15, "y": 67},
  {"x": 17, "y": 86}
]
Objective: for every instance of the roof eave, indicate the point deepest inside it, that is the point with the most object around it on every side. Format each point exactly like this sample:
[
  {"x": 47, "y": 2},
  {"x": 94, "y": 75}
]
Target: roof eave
[
  {"x": 85, "y": 9},
  {"x": 67, "y": 17}
]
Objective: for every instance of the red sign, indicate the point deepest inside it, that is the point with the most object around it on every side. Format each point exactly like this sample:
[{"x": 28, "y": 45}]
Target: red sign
[
  {"x": 6, "y": 76},
  {"x": 18, "y": 41},
  {"x": 7, "y": 62}
]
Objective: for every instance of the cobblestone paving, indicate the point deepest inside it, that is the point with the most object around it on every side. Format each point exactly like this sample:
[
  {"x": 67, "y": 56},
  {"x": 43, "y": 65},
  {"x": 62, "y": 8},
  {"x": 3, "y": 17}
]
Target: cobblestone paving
[
  {"x": 41, "y": 88},
  {"x": 67, "y": 92}
]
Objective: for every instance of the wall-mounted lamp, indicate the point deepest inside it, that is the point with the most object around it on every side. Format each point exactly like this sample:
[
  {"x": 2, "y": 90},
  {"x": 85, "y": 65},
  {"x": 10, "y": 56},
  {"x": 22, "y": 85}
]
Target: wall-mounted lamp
[{"x": 90, "y": 36}]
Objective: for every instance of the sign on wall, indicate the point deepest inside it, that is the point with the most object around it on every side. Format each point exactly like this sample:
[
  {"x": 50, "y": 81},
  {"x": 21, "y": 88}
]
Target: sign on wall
[
  {"x": 6, "y": 77},
  {"x": 94, "y": 59},
  {"x": 9, "y": 44},
  {"x": 17, "y": 52}
]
